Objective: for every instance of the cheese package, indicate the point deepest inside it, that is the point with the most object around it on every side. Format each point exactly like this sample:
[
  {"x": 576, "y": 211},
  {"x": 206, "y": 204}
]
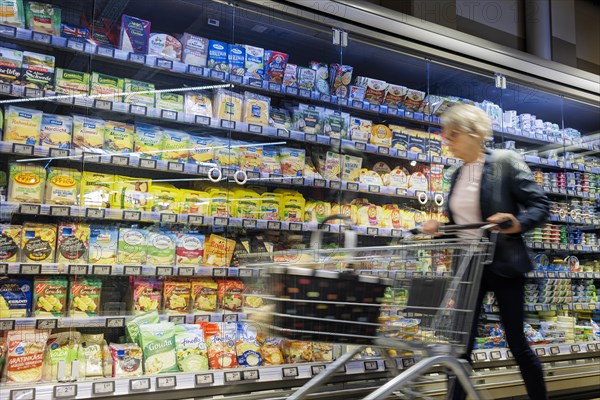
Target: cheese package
[
  {"x": 118, "y": 137},
  {"x": 165, "y": 46},
  {"x": 92, "y": 351},
  {"x": 192, "y": 354},
  {"x": 269, "y": 206},
  {"x": 177, "y": 295},
  {"x": 12, "y": 13},
  {"x": 322, "y": 352},
  {"x": 381, "y": 135},
  {"x": 374, "y": 89},
  {"x": 255, "y": 62},
  {"x": 26, "y": 183},
  {"x": 351, "y": 167},
  {"x": 280, "y": 118},
  {"x": 201, "y": 149},
  {"x": 370, "y": 177},
  {"x": 270, "y": 350},
  {"x": 189, "y": 250},
  {"x": 308, "y": 118},
  {"x": 10, "y": 242},
  {"x": 348, "y": 210},
  {"x": 56, "y": 131},
  {"x": 131, "y": 248},
  {"x": 340, "y": 77},
  {"x": 194, "y": 202},
  {"x": 49, "y": 297},
  {"x": 195, "y": 50},
  {"x": 335, "y": 124},
  {"x": 76, "y": 33},
  {"x": 271, "y": 163},
  {"x": 38, "y": 242},
  {"x": 217, "y": 56},
  {"x": 15, "y": 298},
  {"x": 246, "y": 203},
  {"x": 84, "y": 297},
  {"x": 198, "y": 103},
  {"x": 391, "y": 217},
  {"x": 322, "y": 78},
  {"x": 11, "y": 62},
  {"x": 226, "y": 153},
  {"x": 333, "y": 166},
  {"x": 165, "y": 198},
  {"x": 147, "y": 141},
  {"x": 228, "y": 105},
  {"x": 204, "y": 294},
  {"x": 291, "y": 208},
  {"x": 220, "y": 339},
  {"x": 236, "y": 57},
  {"x": 62, "y": 186},
  {"x": 316, "y": 211},
  {"x": 247, "y": 346},
  {"x": 394, "y": 95},
  {"x": 73, "y": 243},
  {"x": 105, "y": 87},
  {"x": 96, "y": 189},
  {"x": 398, "y": 178},
  {"x": 290, "y": 75},
  {"x": 231, "y": 294},
  {"x": 219, "y": 205},
  {"x": 250, "y": 158},
  {"x": 400, "y": 137},
  {"x": 103, "y": 245},
  {"x": 126, "y": 360},
  {"x": 88, "y": 133},
  {"x": 70, "y": 82},
  {"x": 306, "y": 78},
  {"x": 22, "y": 125},
  {"x": 417, "y": 141},
  {"x": 418, "y": 181},
  {"x": 218, "y": 251},
  {"x": 25, "y": 356},
  {"x": 369, "y": 215},
  {"x": 138, "y": 93},
  {"x": 292, "y": 161},
  {"x": 147, "y": 295},
  {"x": 297, "y": 352},
  {"x": 42, "y": 17},
  {"x": 175, "y": 145},
  {"x": 134, "y": 34},
  {"x": 169, "y": 101},
  {"x": 434, "y": 145},
  {"x": 38, "y": 70},
  {"x": 413, "y": 100},
  {"x": 275, "y": 65},
  {"x": 256, "y": 109},
  {"x": 160, "y": 249}
]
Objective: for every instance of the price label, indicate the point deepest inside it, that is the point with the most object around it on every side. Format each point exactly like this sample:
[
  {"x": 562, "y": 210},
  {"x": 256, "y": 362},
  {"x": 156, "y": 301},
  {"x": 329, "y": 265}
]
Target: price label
[
  {"x": 404, "y": 154},
  {"x": 7, "y": 30},
  {"x": 480, "y": 356},
  {"x": 202, "y": 120},
  {"x": 384, "y": 150},
  {"x": 274, "y": 225},
  {"x": 374, "y": 107},
  {"x": 252, "y": 128},
  {"x": 274, "y": 87},
  {"x": 554, "y": 350},
  {"x": 34, "y": 93},
  {"x": 544, "y": 161},
  {"x": 298, "y": 181},
  {"x": 103, "y": 387},
  {"x": 221, "y": 221},
  {"x": 22, "y": 394},
  {"x": 319, "y": 183},
  {"x": 316, "y": 369},
  {"x": 30, "y": 269},
  {"x": 540, "y": 351},
  {"x": 105, "y": 51},
  {"x": 147, "y": 163},
  {"x": 436, "y": 159},
  {"x": 102, "y": 269},
  {"x": 168, "y": 218},
  {"x": 115, "y": 322},
  {"x": 249, "y": 223},
  {"x": 138, "y": 58},
  {"x": 137, "y": 110},
  {"x": 133, "y": 270},
  {"x": 283, "y": 133},
  {"x": 245, "y": 273},
  {"x": 509, "y": 354},
  {"x": 289, "y": 372},
  {"x": 139, "y": 385},
  {"x": 408, "y": 362},
  {"x": 204, "y": 379},
  {"x": 360, "y": 146},
  {"x": 164, "y": 271},
  {"x": 7, "y": 325},
  {"x": 41, "y": 37},
  {"x": 304, "y": 93},
  {"x": 230, "y": 318},
  {"x": 396, "y": 233},
  {"x": 236, "y": 79},
  {"x": 371, "y": 366},
  {"x": 22, "y": 149},
  {"x": 122, "y": 161},
  {"x": 31, "y": 209},
  {"x": 421, "y": 157},
  {"x": 495, "y": 355},
  {"x": 227, "y": 124},
  {"x": 357, "y": 104},
  {"x": 195, "y": 220},
  {"x": 169, "y": 114},
  {"x": 372, "y": 231},
  {"x": 335, "y": 185},
  {"x": 177, "y": 319},
  {"x": 575, "y": 348},
  {"x": 59, "y": 153},
  {"x": 296, "y": 226},
  {"x": 185, "y": 271},
  {"x": 374, "y": 188},
  {"x": 91, "y": 157},
  {"x": 103, "y": 104},
  {"x": 234, "y": 376},
  {"x": 96, "y": 213},
  {"x": 46, "y": 324},
  {"x": 220, "y": 272},
  {"x": 76, "y": 45},
  {"x": 202, "y": 318},
  {"x": 291, "y": 91},
  {"x": 310, "y": 137},
  {"x": 401, "y": 192},
  {"x": 220, "y": 75},
  {"x": 60, "y": 211},
  {"x": 132, "y": 215},
  {"x": 5, "y": 88},
  {"x": 65, "y": 391},
  {"x": 76, "y": 269},
  {"x": 578, "y": 247},
  {"x": 194, "y": 70},
  {"x": 251, "y": 375},
  {"x": 162, "y": 63},
  {"x": 3, "y": 269},
  {"x": 392, "y": 111},
  {"x": 352, "y": 186},
  {"x": 591, "y": 346}
]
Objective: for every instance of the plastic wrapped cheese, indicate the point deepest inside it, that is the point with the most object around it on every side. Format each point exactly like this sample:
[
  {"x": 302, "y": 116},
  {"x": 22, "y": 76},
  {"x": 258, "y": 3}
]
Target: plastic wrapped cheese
[
  {"x": 256, "y": 109},
  {"x": 165, "y": 46},
  {"x": 228, "y": 105}
]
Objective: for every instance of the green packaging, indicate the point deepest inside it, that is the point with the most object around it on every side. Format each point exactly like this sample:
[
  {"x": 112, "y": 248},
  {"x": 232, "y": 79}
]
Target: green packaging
[
  {"x": 158, "y": 345},
  {"x": 138, "y": 93},
  {"x": 12, "y": 13},
  {"x": 71, "y": 82},
  {"x": 118, "y": 137},
  {"x": 133, "y": 325},
  {"x": 106, "y": 87},
  {"x": 170, "y": 101},
  {"x": 131, "y": 248},
  {"x": 42, "y": 17},
  {"x": 49, "y": 297},
  {"x": 84, "y": 297},
  {"x": 160, "y": 249}
]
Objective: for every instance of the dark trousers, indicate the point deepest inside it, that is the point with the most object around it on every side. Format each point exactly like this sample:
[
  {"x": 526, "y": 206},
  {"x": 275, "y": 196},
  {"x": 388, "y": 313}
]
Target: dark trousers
[{"x": 510, "y": 293}]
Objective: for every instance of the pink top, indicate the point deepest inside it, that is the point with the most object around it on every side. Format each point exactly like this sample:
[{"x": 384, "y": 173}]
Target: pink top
[{"x": 465, "y": 201}]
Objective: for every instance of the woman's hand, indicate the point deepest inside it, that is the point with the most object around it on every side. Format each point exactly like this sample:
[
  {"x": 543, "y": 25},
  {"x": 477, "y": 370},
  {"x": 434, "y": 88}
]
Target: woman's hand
[
  {"x": 431, "y": 227},
  {"x": 498, "y": 218}
]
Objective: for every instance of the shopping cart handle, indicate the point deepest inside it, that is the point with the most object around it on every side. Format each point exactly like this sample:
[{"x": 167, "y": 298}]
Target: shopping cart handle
[{"x": 479, "y": 225}]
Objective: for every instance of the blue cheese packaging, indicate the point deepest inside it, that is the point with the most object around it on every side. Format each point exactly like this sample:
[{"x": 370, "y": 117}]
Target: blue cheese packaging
[
  {"x": 217, "y": 56},
  {"x": 15, "y": 298},
  {"x": 237, "y": 59},
  {"x": 134, "y": 35}
]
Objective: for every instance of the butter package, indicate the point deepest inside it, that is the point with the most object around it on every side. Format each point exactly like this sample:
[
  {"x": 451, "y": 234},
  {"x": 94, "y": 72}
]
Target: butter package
[
  {"x": 194, "y": 202},
  {"x": 73, "y": 243},
  {"x": 160, "y": 249},
  {"x": 62, "y": 186},
  {"x": 131, "y": 248},
  {"x": 56, "y": 131},
  {"x": 106, "y": 87},
  {"x": 38, "y": 242},
  {"x": 103, "y": 245},
  {"x": 165, "y": 198},
  {"x": 360, "y": 129},
  {"x": 15, "y": 298},
  {"x": 306, "y": 78},
  {"x": 10, "y": 243},
  {"x": 351, "y": 168},
  {"x": 147, "y": 295},
  {"x": 201, "y": 149},
  {"x": 118, "y": 137},
  {"x": 38, "y": 70},
  {"x": 148, "y": 140},
  {"x": 22, "y": 125},
  {"x": 189, "y": 249},
  {"x": 290, "y": 75},
  {"x": 84, "y": 297},
  {"x": 195, "y": 50},
  {"x": 177, "y": 294},
  {"x": 204, "y": 294},
  {"x": 96, "y": 189},
  {"x": 275, "y": 65},
  {"x": 12, "y": 13},
  {"x": 400, "y": 138},
  {"x": 138, "y": 93},
  {"x": 49, "y": 297},
  {"x": 256, "y": 109},
  {"x": 255, "y": 62},
  {"x": 42, "y": 17},
  {"x": 165, "y": 46},
  {"x": 131, "y": 193},
  {"x": 236, "y": 56},
  {"x": 217, "y": 56},
  {"x": 70, "y": 82},
  {"x": 134, "y": 35},
  {"x": 198, "y": 103},
  {"x": 170, "y": 101},
  {"x": 292, "y": 161},
  {"x": 322, "y": 77},
  {"x": 218, "y": 251},
  {"x": 26, "y": 183},
  {"x": 228, "y": 105},
  {"x": 175, "y": 145},
  {"x": 381, "y": 135},
  {"x": 11, "y": 62}
]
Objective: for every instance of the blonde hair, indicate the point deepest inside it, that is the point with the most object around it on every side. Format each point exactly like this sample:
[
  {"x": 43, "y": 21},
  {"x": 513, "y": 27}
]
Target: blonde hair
[{"x": 468, "y": 119}]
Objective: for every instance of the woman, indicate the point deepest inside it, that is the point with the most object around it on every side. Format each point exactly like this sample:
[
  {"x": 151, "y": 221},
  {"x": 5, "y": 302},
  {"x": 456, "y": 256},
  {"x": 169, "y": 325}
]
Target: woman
[{"x": 496, "y": 186}]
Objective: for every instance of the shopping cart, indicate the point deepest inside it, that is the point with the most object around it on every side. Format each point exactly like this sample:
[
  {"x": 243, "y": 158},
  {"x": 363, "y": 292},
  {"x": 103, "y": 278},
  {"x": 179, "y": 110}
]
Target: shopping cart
[{"x": 327, "y": 295}]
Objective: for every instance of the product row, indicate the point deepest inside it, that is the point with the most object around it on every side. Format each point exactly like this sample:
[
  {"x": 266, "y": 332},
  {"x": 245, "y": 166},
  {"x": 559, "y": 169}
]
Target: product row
[
  {"x": 562, "y": 234},
  {"x": 577, "y": 181},
  {"x": 547, "y": 262},
  {"x": 583, "y": 159},
  {"x": 561, "y": 291},
  {"x": 576, "y": 209}
]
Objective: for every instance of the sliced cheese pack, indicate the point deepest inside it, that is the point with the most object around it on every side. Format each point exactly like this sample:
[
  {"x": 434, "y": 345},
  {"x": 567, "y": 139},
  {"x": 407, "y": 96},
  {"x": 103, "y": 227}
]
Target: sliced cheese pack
[
  {"x": 96, "y": 189},
  {"x": 165, "y": 198},
  {"x": 198, "y": 103},
  {"x": 175, "y": 145},
  {"x": 256, "y": 109},
  {"x": 56, "y": 131},
  {"x": 26, "y": 183},
  {"x": 88, "y": 133},
  {"x": 118, "y": 137},
  {"x": 62, "y": 186},
  {"x": 138, "y": 93},
  {"x": 148, "y": 141},
  {"x": 228, "y": 105},
  {"x": 160, "y": 249},
  {"x": 22, "y": 125}
]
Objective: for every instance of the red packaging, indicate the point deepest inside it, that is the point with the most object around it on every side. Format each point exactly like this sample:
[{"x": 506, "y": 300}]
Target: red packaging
[{"x": 275, "y": 63}]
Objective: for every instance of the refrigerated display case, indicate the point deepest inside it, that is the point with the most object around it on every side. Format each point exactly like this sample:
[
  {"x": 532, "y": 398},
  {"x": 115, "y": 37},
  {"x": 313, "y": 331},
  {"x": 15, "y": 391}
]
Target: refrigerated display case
[{"x": 146, "y": 151}]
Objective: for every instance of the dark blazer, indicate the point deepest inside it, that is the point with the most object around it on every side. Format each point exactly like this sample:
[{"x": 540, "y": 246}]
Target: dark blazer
[{"x": 507, "y": 186}]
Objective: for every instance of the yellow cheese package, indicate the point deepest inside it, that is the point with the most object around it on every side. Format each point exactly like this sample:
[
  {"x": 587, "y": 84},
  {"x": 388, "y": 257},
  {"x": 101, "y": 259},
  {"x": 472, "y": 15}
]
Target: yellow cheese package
[
  {"x": 398, "y": 178},
  {"x": 73, "y": 243},
  {"x": 418, "y": 181},
  {"x": 292, "y": 208},
  {"x": 26, "y": 183},
  {"x": 201, "y": 149},
  {"x": 138, "y": 93},
  {"x": 381, "y": 135},
  {"x": 218, "y": 251},
  {"x": 226, "y": 153},
  {"x": 199, "y": 103},
  {"x": 246, "y": 203},
  {"x": 147, "y": 141},
  {"x": 15, "y": 297},
  {"x": 131, "y": 248},
  {"x": 204, "y": 294},
  {"x": 131, "y": 193},
  {"x": 25, "y": 356},
  {"x": 56, "y": 131},
  {"x": 127, "y": 360},
  {"x": 228, "y": 105},
  {"x": 88, "y": 133},
  {"x": 333, "y": 166},
  {"x": 348, "y": 210},
  {"x": 177, "y": 295},
  {"x": 160, "y": 249},
  {"x": 147, "y": 295},
  {"x": 192, "y": 354},
  {"x": 49, "y": 296},
  {"x": 84, "y": 297},
  {"x": 270, "y": 350},
  {"x": 92, "y": 351},
  {"x": 96, "y": 189},
  {"x": 316, "y": 211},
  {"x": 322, "y": 352},
  {"x": 118, "y": 137},
  {"x": 247, "y": 346},
  {"x": 10, "y": 243},
  {"x": 22, "y": 125},
  {"x": 62, "y": 186},
  {"x": 189, "y": 249},
  {"x": 256, "y": 109},
  {"x": 370, "y": 177},
  {"x": 175, "y": 145},
  {"x": 250, "y": 158},
  {"x": 292, "y": 161},
  {"x": 219, "y": 205},
  {"x": 297, "y": 352},
  {"x": 103, "y": 245},
  {"x": 106, "y": 87},
  {"x": 351, "y": 167},
  {"x": 269, "y": 206},
  {"x": 369, "y": 215},
  {"x": 391, "y": 217},
  {"x": 193, "y": 202},
  {"x": 165, "y": 198},
  {"x": 38, "y": 242}
]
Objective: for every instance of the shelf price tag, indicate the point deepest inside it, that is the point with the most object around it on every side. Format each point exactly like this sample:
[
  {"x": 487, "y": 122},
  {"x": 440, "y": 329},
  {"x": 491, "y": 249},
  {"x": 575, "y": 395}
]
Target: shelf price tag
[
  {"x": 46, "y": 324},
  {"x": 335, "y": 185},
  {"x": 195, "y": 220},
  {"x": 162, "y": 63},
  {"x": 396, "y": 233},
  {"x": 540, "y": 351},
  {"x": 3, "y": 269},
  {"x": 372, "y": 231},
  {"x": 478, "y": 357},
  {"x": 360, "y": 146},
  {"x": 220, "y": 272},
  {"x": 383, "y": 150},
  {"x": 147, "y": 163},
  {"x": 409, "y": 362},
  {"x": 249, "y": 223},
  {"x": 202, "y": 120},
  {"x": 274, "y": 225},
  {"x": 185, "y": 271},
  {"x": 352, "y": 186},
  {"x": 60, "y": 211},
  {"x": 76, "y": 45},
  {"x": 194, "y": 70},
  {"x": 30, "y": 269},
  {"x": 204, "y": 379},
  {"x": 103, "y": 104},
  {"x": 139, "y": 385},
  {"x": 7, "y": 325},
  {"x": 252, "y": 128},
  {"x": 138, "y": 58},
  {"x": 164, "y": 271},
  {"x": 357, "y": 104},
  {"x": 166, "y": 382},
  {"x": 421, "y": 157},
  {"x": 115, "y": 322},
  {"x": 121, "y": 161},
  {"x": 290, "y": 372},
  {"x": 304, "y": 93},
  {"x": 227, "y": 124},
  {"x": 234, "y": 376},
  {"x": 6, "y": 30},
  {"x": 220, "y": 75},
  {"x": 316, "y": 369},
  {"x": 251, "y": 375},
  {"x": 319, "y": 182},
  {"x": 221, "y": 221},
  {"x": 201, "y": 318},
  {"x": 76, "y": 269},
  {"x": 374, "y": 107},
  {"x": 245, "y": 273},
  {"x": 34, "y": 93},
  {"x": 291, "y": 91},
  {"x": 169, "y": 114},
  {"x": 59, "y": 153},
  {"x": 102, "y": 269},
  {"x": 177, "y": 319},
  {"x": 230, "y": 318},
  {"x": 374, "y": 189},
  {"x": 5, "y": 88},
  {"x": 310, "y": 137},
  {"x": 22, "y": 149},
  {"x": 22, "y": 394},
  {"x": 371, "y": 366},
  {"x": 176, "y": 166},
  {"x": 105, "y": 51},
  {"x": 554, "y": 350},
  {"x": 133, "y": 270},
  {"x": 103, "y": 387},
  {"x": 575, "y": 348},
  {"x": 41, "y": 37},
  {"x": 137, "y": 110},
  {"x": 31, "y": 209},
  {"x": 284, "y": 133},
  {"x": 65, "y": 391},
  {"x": 129, "y": 215},
  {"x": 168, "y": 218},
  {"x": 296, "y": 226}
]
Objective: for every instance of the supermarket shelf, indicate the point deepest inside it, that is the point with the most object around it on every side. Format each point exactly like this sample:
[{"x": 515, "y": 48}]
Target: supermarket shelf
[
  {"x": 570, "y": 193},
  {"x": 541, "y": 139},
  {"x": 559, "y": 164},
  {"x": 565, "y": 307},
  {"x": 585, "y": 222},
  {"x": 564, "y": 248},
  {"x": 545, "y": 350},
  {"x": 563, "y": 275}
]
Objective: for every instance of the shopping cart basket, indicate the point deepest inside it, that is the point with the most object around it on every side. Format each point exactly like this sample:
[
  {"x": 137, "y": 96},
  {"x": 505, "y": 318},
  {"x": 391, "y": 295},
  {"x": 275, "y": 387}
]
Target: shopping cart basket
[{"x": 427, "y": 308}]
